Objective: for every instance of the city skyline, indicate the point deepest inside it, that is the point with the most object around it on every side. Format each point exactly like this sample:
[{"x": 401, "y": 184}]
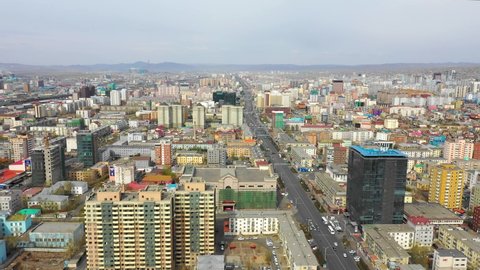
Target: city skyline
[{"x": 214, "y": 32}]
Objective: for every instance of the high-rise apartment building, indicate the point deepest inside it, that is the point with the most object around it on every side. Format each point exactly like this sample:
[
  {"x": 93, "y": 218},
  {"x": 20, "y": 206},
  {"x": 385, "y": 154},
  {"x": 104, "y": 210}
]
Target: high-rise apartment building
[
  {"x": 198, "y": 116},
  {"x": 376, "y": 185},
  {"x": 232, "y": 115},
  {"x": 130, "y": 230},
  {"x": 338, "y": 87},
  {"x": 171, "y": 116},
  {"x": 177, "y": 116},
  {"x": 194, "y": 221},
  {"x": 22, "y": 146},
  {"x": 163, "y": 118},
  {"x": 163, "y": 153},
  {"x": 459, "y": 149},
  {"x": 48, "y": 165},
  {"x": 150, "y": 229},
  {"x": 115, "y": 98},
  {"x": 446, "y": 186},
  {"x": 87, "y": 147}
]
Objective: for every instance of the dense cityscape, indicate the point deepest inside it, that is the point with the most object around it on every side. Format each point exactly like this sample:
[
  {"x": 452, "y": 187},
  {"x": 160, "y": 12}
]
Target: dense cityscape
[
  {"x": 240, "y": 170},
  {"x": 240, "y": 135}
]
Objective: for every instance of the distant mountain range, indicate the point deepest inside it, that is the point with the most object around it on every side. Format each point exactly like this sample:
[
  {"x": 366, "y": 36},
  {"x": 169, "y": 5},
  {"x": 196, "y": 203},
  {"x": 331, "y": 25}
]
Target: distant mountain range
[{"x": 178, "y": 67}]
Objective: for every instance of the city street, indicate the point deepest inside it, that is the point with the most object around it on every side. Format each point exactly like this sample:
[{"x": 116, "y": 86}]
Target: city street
[{"x": 296, "y": 194}]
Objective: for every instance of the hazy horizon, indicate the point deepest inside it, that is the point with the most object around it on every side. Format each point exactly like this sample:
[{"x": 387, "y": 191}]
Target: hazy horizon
[{"x": 268, "y": 32}]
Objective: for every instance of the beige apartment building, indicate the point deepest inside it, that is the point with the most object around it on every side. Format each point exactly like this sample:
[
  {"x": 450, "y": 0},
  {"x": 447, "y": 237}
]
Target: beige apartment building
[
  {"x": 129, "y": 230},
  {"x": 194, "y": 222},
  {"x": 151, "y": 228},
  {"x": 467, "y": 242}
]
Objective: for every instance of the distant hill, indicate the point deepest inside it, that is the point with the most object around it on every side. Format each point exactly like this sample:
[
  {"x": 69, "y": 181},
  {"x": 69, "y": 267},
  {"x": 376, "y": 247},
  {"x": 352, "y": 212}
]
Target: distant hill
[{"x": 178, "y": 67}]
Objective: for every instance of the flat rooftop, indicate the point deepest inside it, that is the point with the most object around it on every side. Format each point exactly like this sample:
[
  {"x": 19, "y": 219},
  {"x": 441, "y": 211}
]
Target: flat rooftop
[
  {"x": 390, "y": 248},
  {"x": 432, "y": 211},
  {"x": 243, "y": 174},
  {"x": 469, "y": 239},
  {"x": 450, "y": 253},
  {"x": 325, "y": 179},
  {"x": 57, "y": 227},
  {"x": 375, "y": 152}
]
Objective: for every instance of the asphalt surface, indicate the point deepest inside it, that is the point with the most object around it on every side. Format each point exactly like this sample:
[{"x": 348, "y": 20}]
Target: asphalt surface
[{"x": 296, "y": 194}]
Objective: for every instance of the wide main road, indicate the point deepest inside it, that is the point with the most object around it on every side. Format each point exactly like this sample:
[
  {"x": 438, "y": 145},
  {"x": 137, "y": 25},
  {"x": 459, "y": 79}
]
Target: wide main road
[{"x": 296, "y": 194}]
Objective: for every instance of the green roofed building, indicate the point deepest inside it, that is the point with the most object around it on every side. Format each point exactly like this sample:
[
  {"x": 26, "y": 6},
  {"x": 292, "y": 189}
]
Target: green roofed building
[
  {"x": 32, "y": 212},
  {"x": 239, "y": 187}
]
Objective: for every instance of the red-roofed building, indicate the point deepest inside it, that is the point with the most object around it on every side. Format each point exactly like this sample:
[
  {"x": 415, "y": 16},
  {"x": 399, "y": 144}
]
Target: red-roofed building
[
  {"x": 423, "y": 230},
  {"x": 6, "y": 175},
  {"x": 262, "y": 164},
  {"x": 136, "y": 186},
  {"x": 29, "y": 193}
]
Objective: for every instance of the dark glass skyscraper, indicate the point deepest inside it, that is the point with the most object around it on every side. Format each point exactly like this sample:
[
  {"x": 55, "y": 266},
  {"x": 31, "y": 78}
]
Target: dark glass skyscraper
[
  {"x": 87, "y": 148},
  {"x": 376, "y": 185}
]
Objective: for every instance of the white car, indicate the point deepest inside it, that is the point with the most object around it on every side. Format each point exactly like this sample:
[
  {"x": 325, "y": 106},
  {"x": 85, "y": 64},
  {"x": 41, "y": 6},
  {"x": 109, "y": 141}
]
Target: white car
[
  {"x": 241, "y": 238},
  {"x": 335, "y": 244},
  {"x": 344, "y": 255}
]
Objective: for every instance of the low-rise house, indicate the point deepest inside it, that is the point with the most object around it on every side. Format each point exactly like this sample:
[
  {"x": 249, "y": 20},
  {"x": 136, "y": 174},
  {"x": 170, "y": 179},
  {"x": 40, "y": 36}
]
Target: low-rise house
[
  {"x": 57, "y": 234},
  {"x": 14, "y": 225},
  {"x": 467, "y": 242},
  {"x": 388, "y": 243},
  {"x": 423, "y": 230},
  {"x": 434, "y": 212},
  {"x": 334, "y": 193},
  {"x": 449, "y": 259}
]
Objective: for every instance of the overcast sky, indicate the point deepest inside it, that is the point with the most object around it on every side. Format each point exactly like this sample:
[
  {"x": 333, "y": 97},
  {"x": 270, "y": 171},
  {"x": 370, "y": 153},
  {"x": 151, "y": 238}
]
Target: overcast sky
[{"x": 239, "y": 32}]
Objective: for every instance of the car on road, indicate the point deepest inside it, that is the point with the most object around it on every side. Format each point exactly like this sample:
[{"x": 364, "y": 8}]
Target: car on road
[
  {"x": 335, "y": 244},
  {"x": 344, "y": 255},
  {"x": 241, "y": 238}
]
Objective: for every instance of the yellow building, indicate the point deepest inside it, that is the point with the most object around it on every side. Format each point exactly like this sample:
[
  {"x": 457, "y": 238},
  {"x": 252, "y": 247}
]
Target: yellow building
[
  {"x": 467, "y": 242},
  {"x": 384, "y": 243},
  {"x": 129, "y": 230},
  {"x": 85, "y": 175},
  {"x": 189, "y": 158},
  {"x": 446, "y": 186},
  {"x": 240, "y": 149}
]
